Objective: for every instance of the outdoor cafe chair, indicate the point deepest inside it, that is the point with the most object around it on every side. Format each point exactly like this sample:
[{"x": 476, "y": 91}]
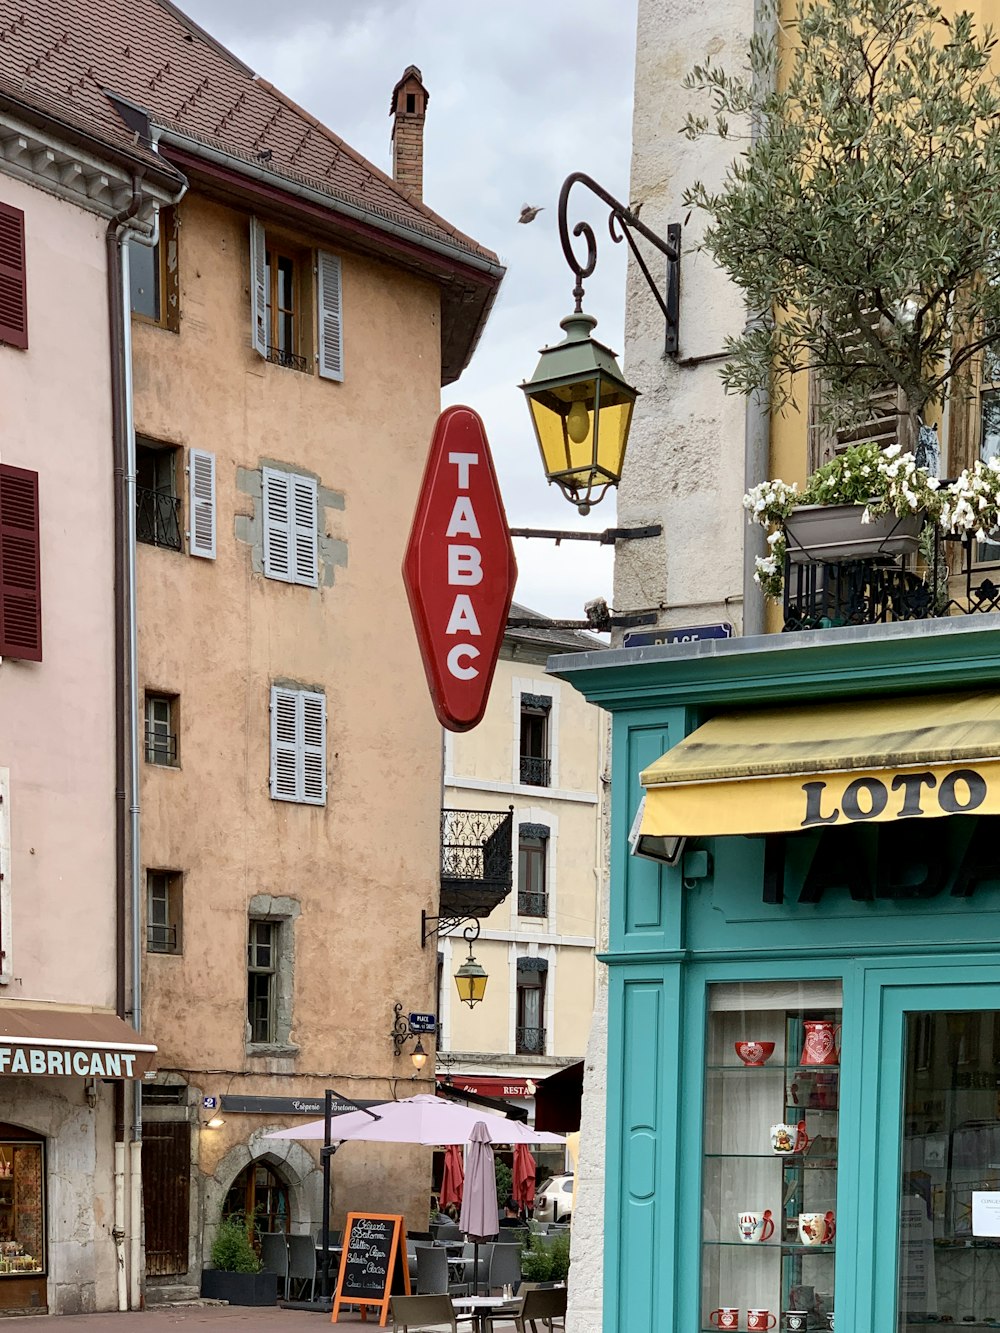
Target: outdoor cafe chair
[
  {"x": 541, "y": 1305},
  {"x": 448, "y": 1231},
  {"x": 505, "y": 1267},
  {"x": 432, "y": 1273},
  {"x": 302, "y": 1263},
  {"x": 427, "y": 1312},
  {"x": 274, "y": 1258}
]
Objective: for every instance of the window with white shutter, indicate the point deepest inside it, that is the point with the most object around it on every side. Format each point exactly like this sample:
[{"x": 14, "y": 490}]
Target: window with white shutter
[
  {"x": 258, "y": 287},
  {"x": 298, "y": 746},
  {"x": 201, "y": 503},
  {"x": 291, "y": 527},
  {"x": 331, "y": 322}
]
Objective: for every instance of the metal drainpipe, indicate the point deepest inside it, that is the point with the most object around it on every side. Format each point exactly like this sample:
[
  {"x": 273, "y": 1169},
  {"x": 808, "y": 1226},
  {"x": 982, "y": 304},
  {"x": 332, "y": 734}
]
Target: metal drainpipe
[
  {"x": 116, "y": 327},
  {"x": 757, "y": 431}
]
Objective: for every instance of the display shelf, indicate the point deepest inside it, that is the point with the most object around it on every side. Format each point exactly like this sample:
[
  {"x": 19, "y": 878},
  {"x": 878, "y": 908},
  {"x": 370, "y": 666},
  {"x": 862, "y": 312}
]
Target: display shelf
[
  {"x": 791, "y": 1159},
  {"x": 785, "y": 1246}
]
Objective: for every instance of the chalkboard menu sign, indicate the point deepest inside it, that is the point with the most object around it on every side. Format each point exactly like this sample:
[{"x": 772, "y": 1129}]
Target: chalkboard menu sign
[{"x": 373, "y": 1262}]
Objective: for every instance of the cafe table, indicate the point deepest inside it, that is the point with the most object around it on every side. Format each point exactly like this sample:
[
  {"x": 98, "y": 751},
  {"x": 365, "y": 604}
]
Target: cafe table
[{"x": 486, "y": 1308}]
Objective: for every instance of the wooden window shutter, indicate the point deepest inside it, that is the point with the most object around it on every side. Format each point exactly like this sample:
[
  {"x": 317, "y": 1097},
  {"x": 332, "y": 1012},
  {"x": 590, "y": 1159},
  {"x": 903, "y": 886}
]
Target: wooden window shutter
[
  {"x": 20, "y": 569},
  {"x": 313, "y": 748},
  {"x": 285, "y": 745},
  {"x": 277, "y": 525},
  {"x": 201, "y": 503},
  {"x": 13, "y": 278},
  {"x": 258, "y": 287},
  {"x": 304, "y": 529},
  {"x": 331, "y": 323}
]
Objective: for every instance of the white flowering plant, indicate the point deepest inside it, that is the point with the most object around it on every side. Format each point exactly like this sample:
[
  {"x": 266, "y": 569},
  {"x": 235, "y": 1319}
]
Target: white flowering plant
[
  {"x": 883, "y": 480},
  {"x": 971, "y": 504}
]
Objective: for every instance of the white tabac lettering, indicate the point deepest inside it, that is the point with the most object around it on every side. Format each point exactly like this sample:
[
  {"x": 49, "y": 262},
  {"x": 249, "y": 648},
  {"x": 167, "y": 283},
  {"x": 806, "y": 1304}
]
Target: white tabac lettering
[
  {"x": 463, "y": 462},
  {"x": 463, "y": 618},
  {"x": 460, "y": 652},
  {"x": 463, "y": 521},
  {"x": 465, "y": 565}
]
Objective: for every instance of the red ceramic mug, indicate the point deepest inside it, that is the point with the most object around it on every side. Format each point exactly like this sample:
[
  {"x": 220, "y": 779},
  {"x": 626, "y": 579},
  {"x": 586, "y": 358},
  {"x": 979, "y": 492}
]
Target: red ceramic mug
[
  {"x": 821, "y": 1044},
  {"x": 760, "y": 1320},
  {"x": 728, "y": 1317}
]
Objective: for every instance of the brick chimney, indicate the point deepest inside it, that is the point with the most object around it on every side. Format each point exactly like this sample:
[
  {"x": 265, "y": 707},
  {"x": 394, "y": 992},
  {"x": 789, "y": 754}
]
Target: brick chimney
[{"x": 408, "y": 108}]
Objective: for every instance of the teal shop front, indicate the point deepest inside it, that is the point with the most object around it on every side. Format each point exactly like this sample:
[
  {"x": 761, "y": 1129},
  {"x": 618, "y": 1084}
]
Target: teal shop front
[{"x": 803, "y": 1069}]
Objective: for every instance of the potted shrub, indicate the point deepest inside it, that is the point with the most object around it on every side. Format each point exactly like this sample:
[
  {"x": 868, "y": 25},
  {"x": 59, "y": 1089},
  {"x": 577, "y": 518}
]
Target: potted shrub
[
  {"x": 235, "y": 1275},
  {"x": 867, "y": 502},
  {"x": 545, "y": 1259}
]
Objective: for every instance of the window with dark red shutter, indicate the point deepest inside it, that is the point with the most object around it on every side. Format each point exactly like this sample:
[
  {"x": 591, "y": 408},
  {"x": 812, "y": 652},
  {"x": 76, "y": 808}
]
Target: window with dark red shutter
[
  {"x": 13, "y": 278},
  {"x": 20, "y": 576}
]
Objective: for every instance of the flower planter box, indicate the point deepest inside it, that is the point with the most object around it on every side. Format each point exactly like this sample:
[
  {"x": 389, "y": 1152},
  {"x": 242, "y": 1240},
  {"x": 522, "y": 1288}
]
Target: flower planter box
[
  {"x": 240, "y": 1288},
  {"x": 835, "y": 533}
]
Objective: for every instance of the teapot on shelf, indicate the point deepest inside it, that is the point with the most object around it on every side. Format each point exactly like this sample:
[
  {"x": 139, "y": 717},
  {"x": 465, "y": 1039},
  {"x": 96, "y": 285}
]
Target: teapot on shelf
[{"x": 821, "y": 1045}]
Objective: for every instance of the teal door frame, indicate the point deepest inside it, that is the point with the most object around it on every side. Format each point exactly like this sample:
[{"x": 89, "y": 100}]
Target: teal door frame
[
  {"x": 876, "y": 995},
  {"x": 932, "y": 985}
]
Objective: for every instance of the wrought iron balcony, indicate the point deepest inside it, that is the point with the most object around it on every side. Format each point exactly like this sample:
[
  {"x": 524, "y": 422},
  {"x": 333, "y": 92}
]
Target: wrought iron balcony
[
  {"x": 529, "y": 1041},
  {"x": 535, "y": 771},
  {"x": 157, "y": 518},
  {"x": 278, "y": 356},
  {"x": 825, "y": 595},
  {"x": 476, "y": 864},
  {"x": 532, "y": 904}
]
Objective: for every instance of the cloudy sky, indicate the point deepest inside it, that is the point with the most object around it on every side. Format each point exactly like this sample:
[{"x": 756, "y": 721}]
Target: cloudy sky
[{"x": 521, "y": 94}]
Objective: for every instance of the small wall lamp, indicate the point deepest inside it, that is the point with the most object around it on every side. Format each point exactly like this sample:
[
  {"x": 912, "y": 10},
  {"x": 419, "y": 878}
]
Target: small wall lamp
[
  {"x": 216, "y": 1122},
  {"x": 401, "y": 1033}
]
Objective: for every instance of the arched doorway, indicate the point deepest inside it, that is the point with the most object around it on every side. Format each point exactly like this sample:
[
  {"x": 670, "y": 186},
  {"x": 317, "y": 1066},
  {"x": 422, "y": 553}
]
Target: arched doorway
[{"x": 259, "y": 1194}]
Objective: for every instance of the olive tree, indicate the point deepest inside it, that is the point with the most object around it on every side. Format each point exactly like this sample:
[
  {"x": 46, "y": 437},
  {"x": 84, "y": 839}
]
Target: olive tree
[{"x": 861, "y": 216}]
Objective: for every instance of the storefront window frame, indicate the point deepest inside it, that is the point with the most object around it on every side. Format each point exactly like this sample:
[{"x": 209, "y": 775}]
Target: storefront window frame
[{"x": 12, "y": 1144}]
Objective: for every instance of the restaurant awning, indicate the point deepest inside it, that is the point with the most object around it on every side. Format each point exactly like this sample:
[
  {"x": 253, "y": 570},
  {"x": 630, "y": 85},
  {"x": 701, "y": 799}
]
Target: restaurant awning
[
  {"x": 780, "y": 770},
  {"x": 49, "y": 1042}
]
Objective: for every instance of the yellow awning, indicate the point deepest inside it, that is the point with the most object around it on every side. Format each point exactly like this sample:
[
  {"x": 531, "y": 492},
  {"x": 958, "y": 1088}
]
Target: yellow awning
[{"x": 778, "y": 770}]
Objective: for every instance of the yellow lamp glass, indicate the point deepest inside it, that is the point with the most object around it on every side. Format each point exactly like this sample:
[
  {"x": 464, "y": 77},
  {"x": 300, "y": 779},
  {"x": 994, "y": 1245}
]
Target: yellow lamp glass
[
  {"x": 581, "y": 411},
  {"x": 470, "y": 982}
]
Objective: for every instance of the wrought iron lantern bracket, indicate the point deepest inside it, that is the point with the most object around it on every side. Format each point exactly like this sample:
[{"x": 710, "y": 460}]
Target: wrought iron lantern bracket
[
  {"x": 622, "y": 223},
  {"x": 446, "y": 925}
]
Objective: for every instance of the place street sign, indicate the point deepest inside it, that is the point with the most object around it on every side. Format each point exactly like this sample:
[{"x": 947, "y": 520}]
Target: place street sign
[
  {"x": 459, "y": 569},
  {"x": 686, "y": 634},
  {"x": 423, "y": 1022}
]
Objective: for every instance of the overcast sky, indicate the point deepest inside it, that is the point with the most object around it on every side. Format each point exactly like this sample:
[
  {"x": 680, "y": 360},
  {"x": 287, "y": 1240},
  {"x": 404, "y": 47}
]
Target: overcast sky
[{"x": 521, "y": 94}]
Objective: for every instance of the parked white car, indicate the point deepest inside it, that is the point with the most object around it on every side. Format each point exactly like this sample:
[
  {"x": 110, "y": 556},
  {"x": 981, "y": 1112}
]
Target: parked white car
[{"x": 554, "y": 1201}]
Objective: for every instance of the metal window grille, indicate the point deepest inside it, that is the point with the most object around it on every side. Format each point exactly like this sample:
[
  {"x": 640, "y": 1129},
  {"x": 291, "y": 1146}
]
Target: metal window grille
[
  {"x": 161, "y": 735},
  {"x": 262, "y": 953},
  {"x": 163, "y": 890},
  {"x": 530, "y": 1041}
]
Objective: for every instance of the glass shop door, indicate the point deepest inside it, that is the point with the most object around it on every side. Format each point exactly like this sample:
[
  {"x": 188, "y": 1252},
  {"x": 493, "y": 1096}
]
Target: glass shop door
[{"x": 937, "y": 1208}]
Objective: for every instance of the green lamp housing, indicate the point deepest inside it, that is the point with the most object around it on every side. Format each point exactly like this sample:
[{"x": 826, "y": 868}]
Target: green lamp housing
[{"x": 581, "y": 409}]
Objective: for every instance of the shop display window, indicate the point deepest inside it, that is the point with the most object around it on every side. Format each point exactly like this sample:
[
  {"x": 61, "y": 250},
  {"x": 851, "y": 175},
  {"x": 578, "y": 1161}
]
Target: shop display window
[
  {"x": 949, "y": 1215},
  {"x": 22, "y": 1208},
  {"x": 772, "y": 1095}
]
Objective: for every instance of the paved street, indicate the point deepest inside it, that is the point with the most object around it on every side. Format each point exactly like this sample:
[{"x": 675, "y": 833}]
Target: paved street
[{"x": 194, "y": 1318}]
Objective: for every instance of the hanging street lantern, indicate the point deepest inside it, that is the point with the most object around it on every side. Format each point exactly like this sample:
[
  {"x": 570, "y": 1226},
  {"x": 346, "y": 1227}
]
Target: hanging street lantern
[
  {"x": 581, "y": 409},
  {"x": 470, "y": 981},
  {"x": 580, "y": 403}
]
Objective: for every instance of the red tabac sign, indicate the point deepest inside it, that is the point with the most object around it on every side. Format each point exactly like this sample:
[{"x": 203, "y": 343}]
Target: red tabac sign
[{"x": 459, "y": 569}]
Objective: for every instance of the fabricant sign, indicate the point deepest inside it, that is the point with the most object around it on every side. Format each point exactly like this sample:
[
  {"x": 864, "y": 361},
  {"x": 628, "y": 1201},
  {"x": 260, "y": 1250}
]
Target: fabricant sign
[{"x": 459, "y": 569}]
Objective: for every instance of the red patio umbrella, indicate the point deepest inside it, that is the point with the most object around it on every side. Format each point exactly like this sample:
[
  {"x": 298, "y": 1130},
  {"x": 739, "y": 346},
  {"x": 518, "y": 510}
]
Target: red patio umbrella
[
  {"x": 524, "y": 1176},
  {"x": 453, "y": 1177}
]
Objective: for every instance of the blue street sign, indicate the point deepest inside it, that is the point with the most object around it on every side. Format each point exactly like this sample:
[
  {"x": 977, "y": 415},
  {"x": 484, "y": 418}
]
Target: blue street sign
[
  {"x": 423, "y": 1022},
  {"x": 684, "y": 634},
  {"x": 210, "y": 1103}
]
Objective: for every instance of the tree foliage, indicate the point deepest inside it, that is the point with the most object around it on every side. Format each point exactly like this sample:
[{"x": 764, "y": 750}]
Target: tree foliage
[{"x": 862, "y": 216}]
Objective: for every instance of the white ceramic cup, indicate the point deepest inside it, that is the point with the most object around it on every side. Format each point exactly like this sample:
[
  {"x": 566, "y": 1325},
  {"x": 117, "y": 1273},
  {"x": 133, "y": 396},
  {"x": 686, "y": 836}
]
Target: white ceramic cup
[{"x": 755, "y": 1227}]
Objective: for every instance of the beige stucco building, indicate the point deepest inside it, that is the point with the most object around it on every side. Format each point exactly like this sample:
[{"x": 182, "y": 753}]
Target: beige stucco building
[
  {"x": 290, "y": 332},
  {"x": 540, "y": 750}
]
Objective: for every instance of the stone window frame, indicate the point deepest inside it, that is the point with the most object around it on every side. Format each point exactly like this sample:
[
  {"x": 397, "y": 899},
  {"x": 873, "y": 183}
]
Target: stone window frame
[{"x": 282, "y": 911}]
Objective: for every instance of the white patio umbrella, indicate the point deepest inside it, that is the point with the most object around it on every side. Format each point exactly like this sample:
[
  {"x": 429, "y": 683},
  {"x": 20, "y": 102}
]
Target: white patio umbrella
[{"x": 433, "y": 1121}]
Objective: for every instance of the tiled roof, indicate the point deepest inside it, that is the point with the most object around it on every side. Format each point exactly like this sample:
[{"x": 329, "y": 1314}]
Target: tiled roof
[
  {"x": 73, "y": 51},
  {"x": 546, "y": 633}
]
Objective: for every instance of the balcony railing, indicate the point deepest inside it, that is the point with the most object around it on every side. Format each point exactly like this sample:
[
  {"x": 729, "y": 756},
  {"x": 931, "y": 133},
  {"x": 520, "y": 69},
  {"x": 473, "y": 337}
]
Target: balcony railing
[
  {"x": 161, "y": 747},
  {"x": 535, "y": 771},
  {"x": 161, "y": 939},
  {"x": 278, "y": 356},
  {"x": 532, "y": 904},
  {"x": 529, "y": 1041},
  {"x": 157, "y": 518},
  {"x": 825, "y": 595},
  {"x": 476, "y": 865}
]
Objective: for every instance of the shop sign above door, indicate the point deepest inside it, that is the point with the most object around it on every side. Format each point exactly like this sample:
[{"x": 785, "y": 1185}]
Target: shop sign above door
[{"x": 459, "y": 569}]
